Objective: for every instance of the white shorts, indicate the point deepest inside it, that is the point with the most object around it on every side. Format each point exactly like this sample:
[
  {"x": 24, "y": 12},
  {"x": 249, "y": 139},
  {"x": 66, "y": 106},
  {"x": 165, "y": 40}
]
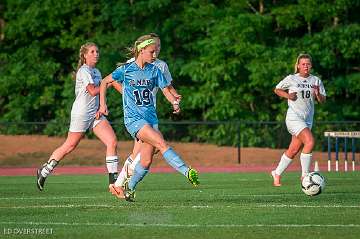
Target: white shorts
[
  {"x": 296, "y": 126},
  {"x": 79, "y": 124}
]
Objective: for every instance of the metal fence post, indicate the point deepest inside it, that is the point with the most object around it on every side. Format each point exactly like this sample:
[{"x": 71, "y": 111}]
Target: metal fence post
[{"x": 238, "y": 142}]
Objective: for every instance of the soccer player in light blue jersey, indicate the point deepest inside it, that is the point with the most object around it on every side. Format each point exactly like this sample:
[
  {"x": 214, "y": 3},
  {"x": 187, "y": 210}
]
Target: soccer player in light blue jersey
[
  {"x": 301, "y": 90},
  {"x": 134, "y": 157},
  {"x": 138, "y": 79}
]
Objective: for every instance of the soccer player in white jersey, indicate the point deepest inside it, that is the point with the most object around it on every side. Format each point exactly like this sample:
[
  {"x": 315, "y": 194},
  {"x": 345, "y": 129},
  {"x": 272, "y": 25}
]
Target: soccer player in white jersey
[
  {"x": 138, "y": 79},
  {"x": 134, "y": 157},
  {"x": 83, "y": 117},
  {"x": 301, "y": 90}
]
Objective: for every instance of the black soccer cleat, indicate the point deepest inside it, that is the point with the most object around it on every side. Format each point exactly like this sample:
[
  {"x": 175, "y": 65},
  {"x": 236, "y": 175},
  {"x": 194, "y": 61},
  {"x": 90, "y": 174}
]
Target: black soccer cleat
[
  {"x": 47, "y": 168},
  {"x": 112, "y": 178},
  {"x": 40, "y": 180}
]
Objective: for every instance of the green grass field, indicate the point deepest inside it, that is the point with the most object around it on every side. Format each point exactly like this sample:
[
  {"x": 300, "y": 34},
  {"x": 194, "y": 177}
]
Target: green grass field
[{"x": 236, "y": 205}]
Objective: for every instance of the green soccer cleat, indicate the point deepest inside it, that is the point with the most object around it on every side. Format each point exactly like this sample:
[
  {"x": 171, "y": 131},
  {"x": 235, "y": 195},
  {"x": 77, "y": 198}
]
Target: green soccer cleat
[
  {"x": 193, "y": 177},
  {"x": 128, "y": 193}
]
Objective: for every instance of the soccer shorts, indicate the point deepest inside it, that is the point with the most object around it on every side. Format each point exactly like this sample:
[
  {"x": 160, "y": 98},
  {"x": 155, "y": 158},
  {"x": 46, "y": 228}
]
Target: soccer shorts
[
  {"x": 134, "y": 127},
  {"x": 295, "y": 126},
  {"x": 80, "y": 124}
]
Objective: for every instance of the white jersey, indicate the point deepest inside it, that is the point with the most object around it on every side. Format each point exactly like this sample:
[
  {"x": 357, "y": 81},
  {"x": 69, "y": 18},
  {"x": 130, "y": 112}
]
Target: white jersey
[
  {"x": 85, "y": 105},
  {"x": 303, "y": 107},
  {"x": 163, "y": 68}
]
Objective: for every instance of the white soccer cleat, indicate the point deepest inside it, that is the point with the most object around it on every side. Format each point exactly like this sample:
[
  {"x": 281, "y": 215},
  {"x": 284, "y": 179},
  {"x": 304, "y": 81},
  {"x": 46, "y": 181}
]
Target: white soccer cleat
[{"x": 126, "y": 172}]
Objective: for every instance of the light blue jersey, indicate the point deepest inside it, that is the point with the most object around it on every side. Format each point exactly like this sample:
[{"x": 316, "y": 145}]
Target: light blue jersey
[
  {"x": 163, "y": 68},
  {"x": 138, "y": 85}
]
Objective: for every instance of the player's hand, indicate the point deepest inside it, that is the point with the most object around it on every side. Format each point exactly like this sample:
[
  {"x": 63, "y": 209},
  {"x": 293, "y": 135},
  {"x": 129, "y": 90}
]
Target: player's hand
[
  {"x": 176, "y": 107},
  {"x": 316, "y": 90},
  {"x": 98, "y": 115},
  {"x": 178, "y": 98},
  {"x": 293, "y": 96},
  {"x": 103, "y": 110}
]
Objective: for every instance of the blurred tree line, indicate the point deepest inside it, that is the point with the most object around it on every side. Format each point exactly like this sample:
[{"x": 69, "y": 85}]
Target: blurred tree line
[{"x": 225, "y": 56}]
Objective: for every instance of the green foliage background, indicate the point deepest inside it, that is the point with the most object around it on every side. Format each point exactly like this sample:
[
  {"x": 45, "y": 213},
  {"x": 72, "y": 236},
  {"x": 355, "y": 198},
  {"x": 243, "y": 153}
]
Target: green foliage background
[{"x": 225, "y": 56}]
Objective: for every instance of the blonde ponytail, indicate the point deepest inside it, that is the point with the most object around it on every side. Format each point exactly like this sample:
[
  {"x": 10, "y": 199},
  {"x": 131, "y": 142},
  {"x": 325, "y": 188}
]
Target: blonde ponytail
[{"x": 133, "y": 51}]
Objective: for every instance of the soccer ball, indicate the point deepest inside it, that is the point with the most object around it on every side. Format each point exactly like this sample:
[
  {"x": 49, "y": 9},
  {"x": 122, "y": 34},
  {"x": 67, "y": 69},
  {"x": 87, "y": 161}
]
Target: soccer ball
[{"x": 313, "y": 184}]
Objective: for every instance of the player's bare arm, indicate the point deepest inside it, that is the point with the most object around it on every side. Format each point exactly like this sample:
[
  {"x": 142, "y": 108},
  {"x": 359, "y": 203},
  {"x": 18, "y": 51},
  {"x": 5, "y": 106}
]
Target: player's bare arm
[
  {"x": 117, "y": 86},
  {"x": 174, "y": 92},
  {"x": 103, "y": 87},
  {"x": 319, "y": 97},
  {"x": 172, "y": 99},
  {"x": 95, "y": 90},
  {"x": 285, "y": 94},
  {"x": 92, "y": 89}
]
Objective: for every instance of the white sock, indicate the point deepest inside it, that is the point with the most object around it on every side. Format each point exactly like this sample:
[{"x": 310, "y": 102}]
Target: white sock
[
  {"x": 283, "y": 164},
  {"x": 122, "y": 175},
  {"x": 112, "y": 164},
  {"x": 49, "y": 168},
  {"x": 305, "y": 160},
  {"x": 136, "y": 160}
]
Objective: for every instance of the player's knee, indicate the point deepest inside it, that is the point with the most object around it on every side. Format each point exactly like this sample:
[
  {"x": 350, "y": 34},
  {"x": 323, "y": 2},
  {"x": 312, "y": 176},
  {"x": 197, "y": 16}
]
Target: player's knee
[
  {"x": 291, "y": 153},
  {"x": 309, "y": 141},
  {"x": 310, "y": 144},
  {"x": 146, "y": 161},
  {"x": 161, "y": 145}
]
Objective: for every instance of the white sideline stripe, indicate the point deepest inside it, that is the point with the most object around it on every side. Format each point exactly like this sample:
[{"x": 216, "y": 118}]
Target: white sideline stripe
[
  {"x": 310, "y": 206},
  {"x": 286, "y": 195},
  {"x": 228, "y": 195},
  {"x": 176, "y": 225},
  {"x": 49, "y": 198},
  {"x": 61, "y": 206},
  {"x": 190, "y": 206}
]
